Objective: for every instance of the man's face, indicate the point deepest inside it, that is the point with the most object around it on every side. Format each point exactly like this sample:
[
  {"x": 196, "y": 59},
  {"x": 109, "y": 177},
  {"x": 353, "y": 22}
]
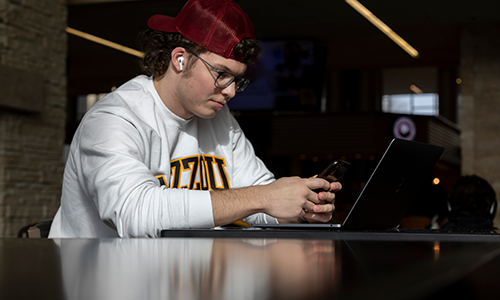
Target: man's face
[{"x": 197, "y": 93}]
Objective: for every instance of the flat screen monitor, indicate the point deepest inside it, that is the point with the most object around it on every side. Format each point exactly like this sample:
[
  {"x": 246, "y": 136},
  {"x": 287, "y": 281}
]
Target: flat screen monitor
[{"x": 289, "y": 76}]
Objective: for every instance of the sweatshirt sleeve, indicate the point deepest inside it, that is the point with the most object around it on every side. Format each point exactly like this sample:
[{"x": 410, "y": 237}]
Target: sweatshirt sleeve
[
  {"x": 250, "y": 171},
  {"x": 111, "y": 162}
]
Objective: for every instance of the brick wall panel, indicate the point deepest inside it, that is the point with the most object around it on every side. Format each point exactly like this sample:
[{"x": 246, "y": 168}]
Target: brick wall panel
[{"x": 33, "y": 39}]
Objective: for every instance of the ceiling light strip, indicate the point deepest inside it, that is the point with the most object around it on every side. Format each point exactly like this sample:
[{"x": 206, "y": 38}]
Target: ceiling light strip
[
  {"x": 104, "y": 42},
  {"x": 382, "y": 27}
]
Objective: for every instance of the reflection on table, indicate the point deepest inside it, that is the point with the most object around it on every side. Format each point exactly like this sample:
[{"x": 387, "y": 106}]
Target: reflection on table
[
  {"x": 198, "y": 268},
  {"x": 241, "y": 268}
]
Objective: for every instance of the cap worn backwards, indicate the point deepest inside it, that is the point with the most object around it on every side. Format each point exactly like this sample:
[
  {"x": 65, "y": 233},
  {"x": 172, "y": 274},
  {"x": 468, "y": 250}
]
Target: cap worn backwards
[{"x": 216, "y": 25}]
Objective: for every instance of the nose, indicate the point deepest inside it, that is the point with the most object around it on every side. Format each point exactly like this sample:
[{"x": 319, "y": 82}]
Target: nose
[{"x": 229, "y": 91}]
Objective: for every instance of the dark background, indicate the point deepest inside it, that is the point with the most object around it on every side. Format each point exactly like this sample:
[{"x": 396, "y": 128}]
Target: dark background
[{"x": 351, "y": 57}]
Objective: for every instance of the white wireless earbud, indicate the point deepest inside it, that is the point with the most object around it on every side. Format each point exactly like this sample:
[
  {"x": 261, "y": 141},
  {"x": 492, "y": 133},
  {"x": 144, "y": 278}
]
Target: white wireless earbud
[{"x": 180, "y": 60}]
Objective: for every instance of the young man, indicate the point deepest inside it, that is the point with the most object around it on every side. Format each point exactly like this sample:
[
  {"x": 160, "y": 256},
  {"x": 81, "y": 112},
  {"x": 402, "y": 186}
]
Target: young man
[{"x": 163, "y": 150}]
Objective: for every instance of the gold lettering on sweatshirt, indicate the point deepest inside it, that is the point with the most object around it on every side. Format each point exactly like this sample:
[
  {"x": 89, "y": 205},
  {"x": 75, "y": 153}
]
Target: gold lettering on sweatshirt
[{"x": 198, "y": 172}]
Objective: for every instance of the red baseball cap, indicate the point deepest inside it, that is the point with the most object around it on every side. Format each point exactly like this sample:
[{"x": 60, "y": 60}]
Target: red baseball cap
[{"x": 216, "y": 25}]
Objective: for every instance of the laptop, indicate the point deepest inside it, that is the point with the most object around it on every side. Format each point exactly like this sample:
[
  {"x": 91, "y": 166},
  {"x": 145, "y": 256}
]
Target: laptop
[{"x": 392, "y": 187}]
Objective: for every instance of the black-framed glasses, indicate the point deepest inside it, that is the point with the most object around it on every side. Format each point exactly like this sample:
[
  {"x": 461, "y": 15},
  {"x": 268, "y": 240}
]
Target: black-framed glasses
[{"x": 224, "y": 79}]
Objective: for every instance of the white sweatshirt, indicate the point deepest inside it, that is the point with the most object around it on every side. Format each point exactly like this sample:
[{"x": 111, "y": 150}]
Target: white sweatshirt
[{"x": 135, "y": 168}]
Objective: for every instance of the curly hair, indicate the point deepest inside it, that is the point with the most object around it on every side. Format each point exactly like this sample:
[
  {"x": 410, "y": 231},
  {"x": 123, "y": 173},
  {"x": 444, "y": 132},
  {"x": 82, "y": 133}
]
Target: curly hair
[
  {"x": 247, "y": 51},
  {"x": 157, "y": 47}
]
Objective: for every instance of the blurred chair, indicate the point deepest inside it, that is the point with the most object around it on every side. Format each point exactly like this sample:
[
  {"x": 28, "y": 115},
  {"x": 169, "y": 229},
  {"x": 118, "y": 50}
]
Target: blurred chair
[
  {"x": 472, "y": 204},
  {"x": 35, "y": 230},
  {"x": 429, "y": 207},
  {"x": 416, "y": 222}
]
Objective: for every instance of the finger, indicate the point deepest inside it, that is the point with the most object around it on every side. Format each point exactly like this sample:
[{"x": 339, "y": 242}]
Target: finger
[
  {"x": 312, "y": 196},
  {"x": 318, "y": 218},
  {"x": 318, "y": 183},
  {"x": 335, "y": 186},
  {"x": 330, "y": 178},
  {"x": 324, "y": 208},
  {"x": 309, "y": 206},
  {"x": 326, "y": 196}
]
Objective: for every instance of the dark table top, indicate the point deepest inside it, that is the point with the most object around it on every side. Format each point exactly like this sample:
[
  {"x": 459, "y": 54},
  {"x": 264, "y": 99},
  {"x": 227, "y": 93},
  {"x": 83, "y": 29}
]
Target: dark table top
[
  {"x": 485, "y": 235},
  {"x": 241, "y": 264}
]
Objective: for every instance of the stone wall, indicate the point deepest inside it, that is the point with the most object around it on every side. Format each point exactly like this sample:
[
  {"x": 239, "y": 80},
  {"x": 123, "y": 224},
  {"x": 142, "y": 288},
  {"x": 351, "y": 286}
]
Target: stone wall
[
  {"x": 32, "y": 110},
  {"x": 480, "y": 103}
]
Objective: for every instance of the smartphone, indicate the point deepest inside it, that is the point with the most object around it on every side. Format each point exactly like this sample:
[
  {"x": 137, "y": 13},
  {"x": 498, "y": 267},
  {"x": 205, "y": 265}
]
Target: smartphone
[{"x": 335, "y": 170}]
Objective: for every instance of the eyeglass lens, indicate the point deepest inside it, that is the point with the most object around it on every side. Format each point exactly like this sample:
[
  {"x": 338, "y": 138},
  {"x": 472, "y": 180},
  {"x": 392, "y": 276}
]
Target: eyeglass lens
[{"x": 224, "y": 79}]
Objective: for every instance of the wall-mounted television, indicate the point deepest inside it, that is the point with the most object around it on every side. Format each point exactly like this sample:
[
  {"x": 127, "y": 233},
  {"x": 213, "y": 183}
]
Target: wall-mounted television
[{"x": 289, "y": 76}]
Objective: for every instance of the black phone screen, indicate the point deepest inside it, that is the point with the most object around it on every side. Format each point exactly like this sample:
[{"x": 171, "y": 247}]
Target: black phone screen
[{"x": 335, "y": 170}]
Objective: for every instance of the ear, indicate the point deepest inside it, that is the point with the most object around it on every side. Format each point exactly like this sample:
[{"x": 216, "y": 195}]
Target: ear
[{"x": 177, "y": 59}]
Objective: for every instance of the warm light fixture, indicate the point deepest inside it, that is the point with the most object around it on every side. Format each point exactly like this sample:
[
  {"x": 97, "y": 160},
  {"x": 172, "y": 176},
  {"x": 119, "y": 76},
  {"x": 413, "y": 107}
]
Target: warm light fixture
[
  {"x": 436, "y": 181},
  {"x": 437, "y": 250},
  {"x": 382, "y": 27},
  {"x": 104, "y": 42},
  {"x": 416, "y": 89}
]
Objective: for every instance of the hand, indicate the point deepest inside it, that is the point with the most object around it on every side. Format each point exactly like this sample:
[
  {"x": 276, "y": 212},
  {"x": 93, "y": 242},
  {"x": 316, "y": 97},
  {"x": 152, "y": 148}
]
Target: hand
[
  {"x": 290, "y": 198},
  {"x": 286, "y": 199},
  {"x": 322, "y": 211}
]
